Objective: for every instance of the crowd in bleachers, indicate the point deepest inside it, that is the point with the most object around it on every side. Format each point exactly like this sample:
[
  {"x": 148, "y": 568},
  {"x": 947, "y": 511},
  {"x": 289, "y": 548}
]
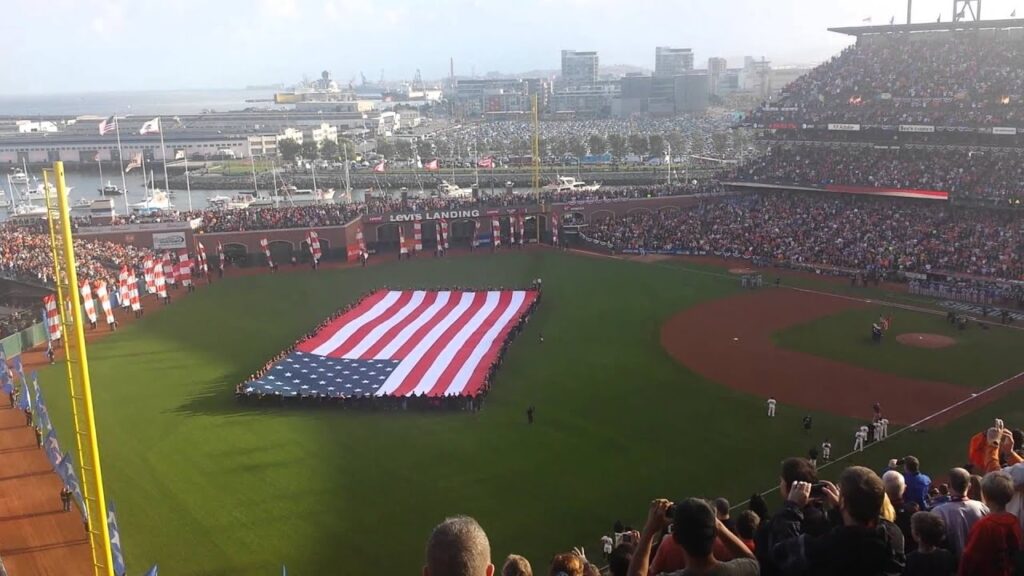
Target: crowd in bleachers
[
  {"x": 964, "y": 174},
  {"x": 952, "y": 79},
  {"x": 895, "y": 522},
  {"x": 25, "y": 255},
  {"x": 863, "y": 234}
]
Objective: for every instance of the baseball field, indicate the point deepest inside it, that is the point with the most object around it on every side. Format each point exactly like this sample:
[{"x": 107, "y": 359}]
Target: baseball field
[{"x": 651, "y": 381}]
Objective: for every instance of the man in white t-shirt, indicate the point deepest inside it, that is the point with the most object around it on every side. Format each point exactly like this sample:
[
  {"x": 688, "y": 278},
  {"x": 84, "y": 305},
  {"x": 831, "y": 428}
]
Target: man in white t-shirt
[{"x": 771, "y": 407}]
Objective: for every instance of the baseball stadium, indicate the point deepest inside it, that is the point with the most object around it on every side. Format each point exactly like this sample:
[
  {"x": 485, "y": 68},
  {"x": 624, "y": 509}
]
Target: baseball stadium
[{"x": 336, "y": 388}]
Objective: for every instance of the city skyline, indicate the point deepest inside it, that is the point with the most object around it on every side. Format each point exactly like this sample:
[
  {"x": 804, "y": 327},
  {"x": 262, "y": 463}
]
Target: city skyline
[{"x": 115, "y": 45}]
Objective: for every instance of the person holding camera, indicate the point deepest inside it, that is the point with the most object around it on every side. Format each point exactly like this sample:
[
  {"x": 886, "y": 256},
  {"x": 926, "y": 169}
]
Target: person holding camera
[
  {"x": 791, "y": 520},
  {"x": 694, "y": 528},
  {"x": 861, "y": 544}
]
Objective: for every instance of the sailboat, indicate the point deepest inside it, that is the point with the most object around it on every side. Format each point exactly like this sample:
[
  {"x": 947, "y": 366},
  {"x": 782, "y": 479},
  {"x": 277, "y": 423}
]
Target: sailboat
[
  {"x": 109, "y": 189},
  {"x": 156, "y": 200}
]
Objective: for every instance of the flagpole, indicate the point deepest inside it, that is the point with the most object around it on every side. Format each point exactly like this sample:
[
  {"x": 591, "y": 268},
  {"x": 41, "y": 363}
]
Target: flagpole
[
  {"x": 163, "y": 151},
  {"x": 188, "y": 186},
  {"x": 120, "y": 158}
]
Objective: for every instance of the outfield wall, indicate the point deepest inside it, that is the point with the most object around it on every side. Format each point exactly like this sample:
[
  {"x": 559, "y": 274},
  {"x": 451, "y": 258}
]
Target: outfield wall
[{"x": 28, "y": 338}]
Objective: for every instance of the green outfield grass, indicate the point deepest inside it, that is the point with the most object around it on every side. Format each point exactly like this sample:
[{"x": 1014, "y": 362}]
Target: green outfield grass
[
  {"x": 206, "y": 486},
  {"x": 979, "y": 359}
]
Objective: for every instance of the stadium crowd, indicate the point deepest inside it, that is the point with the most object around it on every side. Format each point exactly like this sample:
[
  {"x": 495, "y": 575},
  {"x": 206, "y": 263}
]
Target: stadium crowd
[
  {"x": 897, "y": 521},
  {"x": 964, "y": 174},
  {"x": 25, "y": 255},
  {"x": 860, "y": 234},
  {"x": 950, "y": 79}
]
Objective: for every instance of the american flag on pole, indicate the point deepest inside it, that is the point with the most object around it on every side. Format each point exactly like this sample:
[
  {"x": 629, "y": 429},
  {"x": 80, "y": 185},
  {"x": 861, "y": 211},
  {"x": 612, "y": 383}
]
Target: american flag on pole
[
  {"x": 87, "y": 302},
  {"x": 101, "y": 293},
  {"x": 417, "y": 236},
  {"x": 403, "y": 343},
  {"x": 314, "y": 245},
  {"x": 108, "y": 125},
  {"x": 52, "y": 316},
  {"x": 266, "y": 250},
  {"x": 123, "y": 296}
]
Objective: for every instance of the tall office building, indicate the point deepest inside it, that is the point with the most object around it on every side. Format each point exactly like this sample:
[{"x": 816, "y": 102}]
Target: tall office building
[
  {"x": 716, "y": 74},
  {"x": 579, "y": 68},
  {"x": 672, "y": 61}
]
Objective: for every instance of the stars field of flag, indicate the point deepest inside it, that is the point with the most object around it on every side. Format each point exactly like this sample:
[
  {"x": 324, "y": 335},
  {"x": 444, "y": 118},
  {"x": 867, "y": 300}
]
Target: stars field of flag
[{"x": 402, "y": 343}]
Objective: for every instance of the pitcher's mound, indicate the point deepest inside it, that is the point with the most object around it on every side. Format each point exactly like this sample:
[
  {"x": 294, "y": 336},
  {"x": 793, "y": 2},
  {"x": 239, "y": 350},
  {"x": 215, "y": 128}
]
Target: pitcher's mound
[{"x": 923, "y": 340}]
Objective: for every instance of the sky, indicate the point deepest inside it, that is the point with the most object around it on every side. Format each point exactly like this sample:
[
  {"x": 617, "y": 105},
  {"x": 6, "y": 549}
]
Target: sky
[{"x": 71, "y": 46}]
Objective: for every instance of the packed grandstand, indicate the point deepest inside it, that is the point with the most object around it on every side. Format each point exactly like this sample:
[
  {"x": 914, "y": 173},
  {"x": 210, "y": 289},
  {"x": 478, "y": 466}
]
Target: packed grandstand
[{"x": 896, "y": 522}]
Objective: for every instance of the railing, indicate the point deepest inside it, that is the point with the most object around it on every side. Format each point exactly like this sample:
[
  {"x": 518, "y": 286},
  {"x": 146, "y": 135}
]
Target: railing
[{"x": 26, "y": 339}]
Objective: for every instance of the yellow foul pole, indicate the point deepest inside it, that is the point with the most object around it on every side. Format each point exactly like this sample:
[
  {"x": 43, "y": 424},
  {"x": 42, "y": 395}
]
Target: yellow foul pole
[{"x": 74, "y": 334}]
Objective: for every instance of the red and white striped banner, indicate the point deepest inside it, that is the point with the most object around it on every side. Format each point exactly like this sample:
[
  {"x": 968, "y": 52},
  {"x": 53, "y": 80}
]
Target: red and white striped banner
[
  {"x": 314, "y": 245},
  {"x": 511, "y": 230},
  {"x": 266, "y": 250},
  {"x": 417, "y": 236},
  {"x": 444, "y": 232},
  {"x": 158, "y": 280},
  {"x": 476, "y": 233},
  {"x": 359, "y": 239},
  {"x": 496, "y": 232},
  {"x": 401, "y": 241},
  {"x": 122, "y": 287},
  {"x": 185, "y": 268},
  {"x": 101, "y": 293},
  {"x": 220, "y": 256},
  {"x": 133, "y": 292},
  {"x": 522, "y": 230},
  {"x": 147, "y": 271},
  {"x": 554, "y": 229},
  {"x": 52, "y": 316},
  {"x": 87, "y": 302},
  {"x": 437, "y": 234},
  {"x": 201, "y": 253},
  {"x": 169, "y": 276}
]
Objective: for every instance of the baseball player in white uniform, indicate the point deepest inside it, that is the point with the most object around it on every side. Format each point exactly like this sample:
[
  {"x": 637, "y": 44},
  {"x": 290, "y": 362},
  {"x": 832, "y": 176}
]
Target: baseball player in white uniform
[
  {"x": 826, "y": 450},
  {"x": 858, "y": 440},
  {"x": 885, "y": 427},
  {"x": 877, "y": 430},
  {"x": 771, "y": 407}
]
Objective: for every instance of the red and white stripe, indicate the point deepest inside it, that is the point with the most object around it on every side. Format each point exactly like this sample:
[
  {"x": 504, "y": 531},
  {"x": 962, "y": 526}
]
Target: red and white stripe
[
  {"x": 444, "y": 341},
  {"x": 185, "y": 268},
  {"x": 554, "y": 229},
  {"x": 522, "y": 230},
  {"x": 444, "y": 232},
  {"x": 104, "y": 297},
  {"x": 314, "y": 245},
  {"x": 201, "y": 253},
  {"x": 359, "y": 239},
  {"x": 147, "y": 271},
  {"x": 417, "y": 236},
  {"x": 496, "y": 231},
  {"x": 122, "y": 287},
  {"x": 266, "y": 250},
  {"x": 511, "y": 230},
  {"x": 401, "y": 241},
  {"x": 169, "y": 276},
  {"x": 52, "y": 316},
  {"x": 437, "y": 234},
  {"x": 220, "y": 256},
  {"x": 476, "y": 233},
  {"x": 158, "y": 280},
  {"x": 90, "y": 307},
  {"x": 133, "y": 292}
]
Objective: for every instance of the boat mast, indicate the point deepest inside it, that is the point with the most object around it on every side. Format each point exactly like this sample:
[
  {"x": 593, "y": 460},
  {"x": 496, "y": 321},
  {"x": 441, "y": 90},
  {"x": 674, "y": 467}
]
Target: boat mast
[
  {"x": 252, "y": 164},
  {"x": 348, "y": 186},
  {"x": 100, "y": 165},
  {"x": 315, "y": 191},
  {"x": 188, "y": 185}
]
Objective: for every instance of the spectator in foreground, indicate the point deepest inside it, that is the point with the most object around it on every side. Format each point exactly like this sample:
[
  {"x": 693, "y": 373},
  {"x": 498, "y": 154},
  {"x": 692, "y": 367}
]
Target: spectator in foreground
[
  {"x": 960, "y": 513},
  {"x": 458, "y": 547},
  {"x": 1016, "y": 505},
  {"x": 568, "y": 564},
  {"x": 917, "y": 483},
  {"x": 929, "y": 560},
  {"x": 722, "y": 513},
  {"x": 808, "y": 518},
  {"x": 995, "y": 539},
  {"x": 619, "y": 559},
  {"x": 864, "y": 545},
  {"x": 694, "y": 528},
  {"x": 895, "y": 486},
  {"x": 516, "y": 565},
  {"x": 974, "y": 488}
]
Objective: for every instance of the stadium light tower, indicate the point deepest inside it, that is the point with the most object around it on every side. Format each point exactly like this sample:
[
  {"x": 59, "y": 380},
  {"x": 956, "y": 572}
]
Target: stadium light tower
[{"x": 966, "y": 10}]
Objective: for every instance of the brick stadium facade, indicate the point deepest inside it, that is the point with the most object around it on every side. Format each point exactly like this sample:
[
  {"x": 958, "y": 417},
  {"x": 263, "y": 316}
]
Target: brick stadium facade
[{"x": 381, "y": 231}]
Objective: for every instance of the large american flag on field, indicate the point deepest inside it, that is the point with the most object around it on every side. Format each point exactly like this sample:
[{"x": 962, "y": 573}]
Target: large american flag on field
[{"x": 403, "y": 343}]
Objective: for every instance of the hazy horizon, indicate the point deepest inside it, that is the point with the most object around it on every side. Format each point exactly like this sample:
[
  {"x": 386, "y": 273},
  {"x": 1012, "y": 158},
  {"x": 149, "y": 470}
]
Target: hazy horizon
[{"x": 117, "y": 46}]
